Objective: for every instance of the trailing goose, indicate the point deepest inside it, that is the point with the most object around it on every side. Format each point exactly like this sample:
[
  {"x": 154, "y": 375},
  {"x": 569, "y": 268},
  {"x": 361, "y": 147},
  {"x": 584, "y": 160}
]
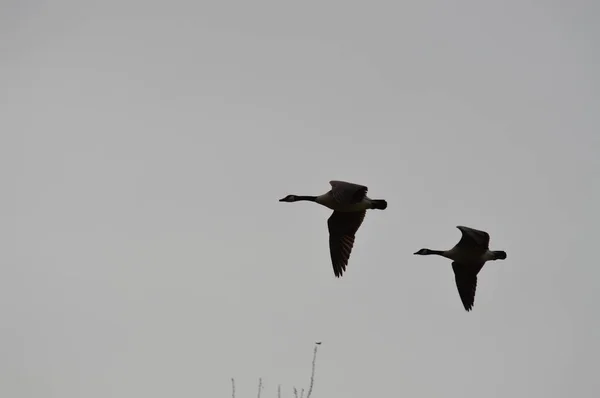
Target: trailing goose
[
  {"x": 468, "y": 256},
  {"x": 349, "y": 203}
]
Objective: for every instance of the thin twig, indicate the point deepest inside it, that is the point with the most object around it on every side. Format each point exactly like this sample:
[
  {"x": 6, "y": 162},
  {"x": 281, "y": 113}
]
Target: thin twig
[
  {"x": 312, "y": 375},
  {"x": 310, "y": 388}
]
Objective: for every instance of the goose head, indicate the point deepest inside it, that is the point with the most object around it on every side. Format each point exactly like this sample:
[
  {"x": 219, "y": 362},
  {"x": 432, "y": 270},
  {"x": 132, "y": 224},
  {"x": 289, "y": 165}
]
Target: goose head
[
  {"x": 425, "y": 252},
  {"x": 289, "y": 198}
]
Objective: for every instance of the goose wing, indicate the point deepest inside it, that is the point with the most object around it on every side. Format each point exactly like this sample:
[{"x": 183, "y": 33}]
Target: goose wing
[
  {"x": 347, "y": 192},
  {"x": 342, "y": 228},
  {"x": 466, "y": 282},
  {"x": 473, "y": 238}
]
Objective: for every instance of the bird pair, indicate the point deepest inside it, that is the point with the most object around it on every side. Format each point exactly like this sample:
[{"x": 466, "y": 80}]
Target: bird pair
[{"x": 350, "y": 203}]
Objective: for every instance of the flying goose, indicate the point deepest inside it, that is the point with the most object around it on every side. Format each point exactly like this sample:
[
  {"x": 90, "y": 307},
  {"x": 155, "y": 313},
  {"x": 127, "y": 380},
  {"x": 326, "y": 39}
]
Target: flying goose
[
  {"x": 349, "y": 203},
  {"x": 468, "y": 257}
]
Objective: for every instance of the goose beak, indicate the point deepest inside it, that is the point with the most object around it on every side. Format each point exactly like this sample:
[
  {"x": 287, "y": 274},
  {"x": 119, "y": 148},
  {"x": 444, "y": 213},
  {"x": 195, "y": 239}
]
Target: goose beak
[{"x": 282, "y": 200}]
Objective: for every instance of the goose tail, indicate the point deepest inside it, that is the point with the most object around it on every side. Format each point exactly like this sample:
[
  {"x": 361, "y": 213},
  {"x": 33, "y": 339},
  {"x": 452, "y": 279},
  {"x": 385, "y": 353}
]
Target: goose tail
[
  {"x": 379, "y": 204},
  {"x": 499, "y": 255}
]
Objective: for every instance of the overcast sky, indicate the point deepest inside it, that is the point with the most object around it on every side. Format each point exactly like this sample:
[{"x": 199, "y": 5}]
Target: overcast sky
[{"x": 144, "y": 146}]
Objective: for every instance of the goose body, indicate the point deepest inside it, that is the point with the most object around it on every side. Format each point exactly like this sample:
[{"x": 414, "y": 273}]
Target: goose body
[
  {"x": 468, "y": 257},
  {"x": 349, "y": 203}
]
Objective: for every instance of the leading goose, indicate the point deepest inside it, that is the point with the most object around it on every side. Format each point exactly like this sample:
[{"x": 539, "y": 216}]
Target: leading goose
[
  {"x": 349, "y": 203},
  {"x": 469, "y": 255}
]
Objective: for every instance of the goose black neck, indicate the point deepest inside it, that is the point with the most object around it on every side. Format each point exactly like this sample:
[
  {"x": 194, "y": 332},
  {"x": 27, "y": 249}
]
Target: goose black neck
[
  {"x": 438, "y": 252},
  {"x": 307, "y": 198}
]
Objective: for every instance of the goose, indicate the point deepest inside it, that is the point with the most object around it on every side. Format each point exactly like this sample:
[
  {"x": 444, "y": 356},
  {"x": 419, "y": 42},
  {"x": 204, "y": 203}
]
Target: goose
[
  {"x": 349, "y": 203},
  {"x": 468, "y": 257}
]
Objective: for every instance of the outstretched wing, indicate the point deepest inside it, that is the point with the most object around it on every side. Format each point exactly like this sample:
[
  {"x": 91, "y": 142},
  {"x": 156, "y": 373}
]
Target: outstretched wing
[
  {"x": 342, "y": 228},
  {"x": 466, "y": 282},
  {"x": 473, "y": 238},
  {"x": 347, "y": 192}
]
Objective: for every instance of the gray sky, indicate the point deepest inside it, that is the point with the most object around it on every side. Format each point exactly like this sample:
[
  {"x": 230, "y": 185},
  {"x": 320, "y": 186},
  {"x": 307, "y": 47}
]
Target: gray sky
[{"x": 144, "y": 146}]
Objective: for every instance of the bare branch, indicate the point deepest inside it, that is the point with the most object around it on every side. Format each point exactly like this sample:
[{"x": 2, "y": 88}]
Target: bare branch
[
  {"x": 297, "y": 394},
  {"x": 312, "y": 375},
  {"x": 259, "y": 386}
]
